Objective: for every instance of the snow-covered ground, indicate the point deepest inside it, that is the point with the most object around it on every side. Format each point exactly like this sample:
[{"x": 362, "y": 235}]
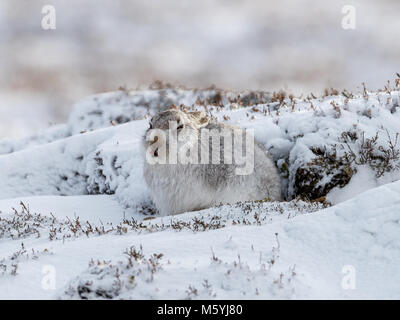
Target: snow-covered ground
[
  {"x": 301, "y": 256},
  {"x": 77, "y": 221}
]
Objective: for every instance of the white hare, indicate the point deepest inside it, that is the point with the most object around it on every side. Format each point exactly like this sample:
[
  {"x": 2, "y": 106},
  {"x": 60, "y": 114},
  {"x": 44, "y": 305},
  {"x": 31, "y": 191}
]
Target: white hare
[{"x": 177, "y": 186}]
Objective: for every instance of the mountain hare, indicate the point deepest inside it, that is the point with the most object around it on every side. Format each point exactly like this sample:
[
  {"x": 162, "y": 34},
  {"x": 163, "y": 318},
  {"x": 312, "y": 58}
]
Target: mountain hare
[{"x": 183, "y": 171}]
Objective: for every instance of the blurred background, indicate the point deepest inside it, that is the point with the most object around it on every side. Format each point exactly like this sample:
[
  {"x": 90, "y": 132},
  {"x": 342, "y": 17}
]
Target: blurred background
[{"x": 101, "y": 45}]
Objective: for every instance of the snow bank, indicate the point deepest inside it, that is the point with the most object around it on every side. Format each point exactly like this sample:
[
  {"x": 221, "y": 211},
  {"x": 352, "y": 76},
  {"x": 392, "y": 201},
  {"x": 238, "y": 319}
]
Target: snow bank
[
  {"x": 318, "y": 144},
  {"x": 105, "y": 161}
]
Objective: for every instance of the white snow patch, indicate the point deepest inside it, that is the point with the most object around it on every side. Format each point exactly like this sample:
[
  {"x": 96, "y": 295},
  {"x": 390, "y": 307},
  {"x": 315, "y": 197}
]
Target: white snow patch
[{"x": 362, "y": 181}]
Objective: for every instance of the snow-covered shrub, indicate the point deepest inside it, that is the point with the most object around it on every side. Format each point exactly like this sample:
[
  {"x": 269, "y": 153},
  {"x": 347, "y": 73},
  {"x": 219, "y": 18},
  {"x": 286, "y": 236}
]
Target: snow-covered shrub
[
  {"x": 107, "y": 280},
  {"x": 334, "y": 165},
  {"x": 9, "y": 265},
  {"x": 380, "y": 157},
  {"x": 51, "y": 169},
  {"x": 365, "y": 134},
  {"x": 142, "y": 276}
]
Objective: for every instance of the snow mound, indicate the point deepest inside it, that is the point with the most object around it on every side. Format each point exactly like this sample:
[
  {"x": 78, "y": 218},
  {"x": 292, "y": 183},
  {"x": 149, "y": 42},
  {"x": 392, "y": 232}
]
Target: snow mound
[
  {"x": 310, "y": 254},
  {"x": 105, "y": 161},
  {"x": 318, "y": 144},
  {"x": 113, "y": 108}
]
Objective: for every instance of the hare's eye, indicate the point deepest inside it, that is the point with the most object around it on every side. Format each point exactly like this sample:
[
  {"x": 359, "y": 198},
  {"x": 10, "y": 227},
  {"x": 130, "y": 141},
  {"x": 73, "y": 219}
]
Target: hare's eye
[
  {"x": 151, "y": 126},
  {"x": 180, "y": 127}
]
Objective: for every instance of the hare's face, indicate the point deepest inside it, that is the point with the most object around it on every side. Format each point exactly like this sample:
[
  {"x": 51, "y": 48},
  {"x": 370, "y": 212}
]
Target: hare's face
[
  {"x": 173, "y": 127},
  {"x": 163, "y": 120}
]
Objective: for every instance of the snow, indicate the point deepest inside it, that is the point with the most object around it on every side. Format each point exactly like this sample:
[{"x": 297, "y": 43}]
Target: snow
[
  {"x": 84, "y": 217},
  {"x": 362, "y": 181},
  {"x": 362, "y": 232},
  {"x": 96, "y": 208}
]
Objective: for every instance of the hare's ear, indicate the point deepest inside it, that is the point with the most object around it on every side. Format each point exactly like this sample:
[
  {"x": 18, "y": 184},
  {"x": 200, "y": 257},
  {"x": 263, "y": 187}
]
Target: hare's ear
[{"x": 199, "y": 117}]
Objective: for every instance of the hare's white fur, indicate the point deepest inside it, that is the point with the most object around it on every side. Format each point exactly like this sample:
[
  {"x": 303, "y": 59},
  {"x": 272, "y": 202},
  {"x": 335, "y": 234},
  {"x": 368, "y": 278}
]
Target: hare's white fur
[{"x": 178, "y": 188}]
